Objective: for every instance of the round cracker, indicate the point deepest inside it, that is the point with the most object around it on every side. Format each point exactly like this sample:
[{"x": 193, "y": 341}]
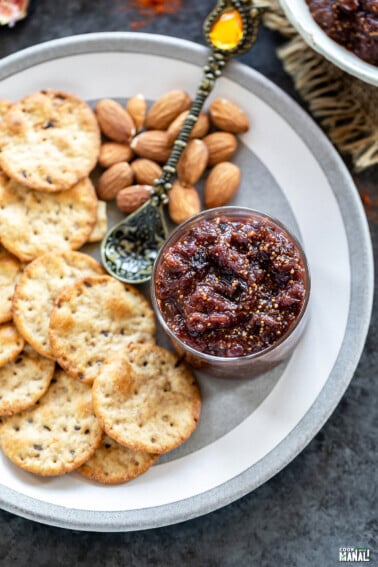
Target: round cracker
[
  {"x": 145, "y": 399},
  {"x": 114, "y": 464},
  {"x": 101, "y": 227},
  {"x": 10, "y": 270},
  {"x": 58, "y": 434},
  {"x": 49, "y": 141},
  {"x": 11, "y": 343},
  {"x": 92, "y": 319},
  {"x": 46, "y": 277},
  {"x": 33, "y": 223},
  {"x": 5, "y": 105},
  {"x": 24, "y": 381}
]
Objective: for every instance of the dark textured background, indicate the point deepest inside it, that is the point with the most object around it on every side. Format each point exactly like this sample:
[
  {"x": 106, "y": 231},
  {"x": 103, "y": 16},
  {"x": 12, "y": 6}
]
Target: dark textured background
[{"x": 326, "y": 498}]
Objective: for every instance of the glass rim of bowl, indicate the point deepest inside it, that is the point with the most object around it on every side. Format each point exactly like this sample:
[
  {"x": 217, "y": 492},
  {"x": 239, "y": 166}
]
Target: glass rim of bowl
[{"x": 217, "y": 212}]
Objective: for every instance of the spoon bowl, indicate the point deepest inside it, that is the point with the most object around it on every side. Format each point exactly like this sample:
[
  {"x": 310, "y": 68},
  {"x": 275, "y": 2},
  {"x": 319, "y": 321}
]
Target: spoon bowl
[{"x": 130, "y": 248}]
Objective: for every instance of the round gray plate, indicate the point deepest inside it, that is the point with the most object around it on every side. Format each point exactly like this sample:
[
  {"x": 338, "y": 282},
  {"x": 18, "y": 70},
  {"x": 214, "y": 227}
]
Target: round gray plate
[{"x": 227, "y": 404}]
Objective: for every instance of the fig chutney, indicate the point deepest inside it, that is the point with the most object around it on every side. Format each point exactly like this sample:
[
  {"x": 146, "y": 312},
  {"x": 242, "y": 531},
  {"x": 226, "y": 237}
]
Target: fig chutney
[{"x": 231, "y": 285}]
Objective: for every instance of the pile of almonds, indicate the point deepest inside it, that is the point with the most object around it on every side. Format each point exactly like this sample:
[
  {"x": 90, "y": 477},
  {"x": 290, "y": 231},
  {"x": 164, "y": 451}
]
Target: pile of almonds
[{"x": 141, "y": 140}]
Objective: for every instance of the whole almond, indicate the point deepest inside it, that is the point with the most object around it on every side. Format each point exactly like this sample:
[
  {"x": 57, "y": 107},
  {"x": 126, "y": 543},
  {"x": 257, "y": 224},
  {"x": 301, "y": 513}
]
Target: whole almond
[
  {"x": 153, "y": 145},
  {"x": 137, "y": 108},
  {"x": 131, "y": 198},
  {"x": 115, "y": 122},
  {"x": 193, "y": 162},
  {"x": 222, "y": 184},
  {"x": 227, "y": 116},
  {"x": 114, "y": 152},
  {"x": 166, "y": 109},
  {"x": 114, "y": 179},
  {"x": 200, "y": 128},
  {"x": 221, "y": 146},
  {"x": 184, "y": 202},
  {"x": 146, "y": 171}
]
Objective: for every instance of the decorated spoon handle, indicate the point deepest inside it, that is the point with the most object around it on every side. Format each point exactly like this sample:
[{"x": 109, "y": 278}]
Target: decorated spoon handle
[{"x": 230, "y": 29}]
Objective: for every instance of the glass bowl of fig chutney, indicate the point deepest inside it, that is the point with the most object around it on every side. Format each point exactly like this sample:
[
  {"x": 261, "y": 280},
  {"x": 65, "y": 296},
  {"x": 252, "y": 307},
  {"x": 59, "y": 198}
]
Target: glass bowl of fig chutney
[{"x": 231, "y": 288}]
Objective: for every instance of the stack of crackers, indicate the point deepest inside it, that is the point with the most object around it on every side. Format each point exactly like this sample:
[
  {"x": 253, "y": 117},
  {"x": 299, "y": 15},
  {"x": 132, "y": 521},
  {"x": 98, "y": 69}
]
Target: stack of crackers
[{"x": 83, "y": 386}]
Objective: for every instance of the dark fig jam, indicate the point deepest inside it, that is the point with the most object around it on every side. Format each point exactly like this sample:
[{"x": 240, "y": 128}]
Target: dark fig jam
[
  {"x": 231, "y": 287},
  {"x": 352, "y": 23}
]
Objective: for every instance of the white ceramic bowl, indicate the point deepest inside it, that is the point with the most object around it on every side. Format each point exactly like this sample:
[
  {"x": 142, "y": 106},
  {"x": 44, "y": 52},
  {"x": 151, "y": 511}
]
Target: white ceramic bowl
[{"x": 299, "y": 15}]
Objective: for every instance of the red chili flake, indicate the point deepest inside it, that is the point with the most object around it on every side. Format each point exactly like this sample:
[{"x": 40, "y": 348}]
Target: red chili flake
[
  {"x": 370, "y": 203},
  {"x": 149, "y": 9},
  {"x": 158, "y": 6}
]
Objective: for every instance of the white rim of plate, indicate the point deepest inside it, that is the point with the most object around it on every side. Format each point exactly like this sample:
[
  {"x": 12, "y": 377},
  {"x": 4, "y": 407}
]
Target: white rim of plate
[
  {"x": 361, "y": 260},
  {"x": 299, "y": 15}
]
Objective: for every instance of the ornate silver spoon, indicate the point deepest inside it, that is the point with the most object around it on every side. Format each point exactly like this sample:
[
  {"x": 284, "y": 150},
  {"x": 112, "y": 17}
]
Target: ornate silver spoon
[{"x": 129, "y": 249}]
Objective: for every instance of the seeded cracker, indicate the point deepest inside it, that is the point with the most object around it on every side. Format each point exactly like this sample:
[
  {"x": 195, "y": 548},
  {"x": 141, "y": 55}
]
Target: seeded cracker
[
  {"x": 94, "y": 318},
  {"x": 101, "y": 226},
  {"x": 24, "y": 381},
  {"x": 5, "y": 105},
  {"x": 114, "y": 464},
  {"x": 10, "y": 270},
  {"x": 145, "y": 400},
  {"x": 49, "y": 141},
  {"x": 33, "y": 222},
  {"x": 11, "y": 343},
  {"x": 46, "y": 277},
  {"x": 58, "y": 434}
]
